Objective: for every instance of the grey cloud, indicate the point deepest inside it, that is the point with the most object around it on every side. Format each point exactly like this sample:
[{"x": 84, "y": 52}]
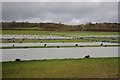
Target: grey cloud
[
  {"x": 61, "y": 1},
  {"x": 64, "y": 12}
]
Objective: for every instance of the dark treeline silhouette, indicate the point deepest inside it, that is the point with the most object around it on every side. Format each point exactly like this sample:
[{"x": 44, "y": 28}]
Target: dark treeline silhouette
[{"x": 61, "y": 27}]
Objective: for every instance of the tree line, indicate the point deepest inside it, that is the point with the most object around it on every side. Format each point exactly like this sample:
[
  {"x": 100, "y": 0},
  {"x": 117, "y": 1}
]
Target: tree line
[{"x": 114, "y": 27}]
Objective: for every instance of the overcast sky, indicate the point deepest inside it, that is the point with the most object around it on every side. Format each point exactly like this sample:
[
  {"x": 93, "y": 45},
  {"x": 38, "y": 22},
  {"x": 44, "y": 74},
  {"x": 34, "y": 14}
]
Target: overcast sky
[
  {"x": 64, "y": 12},
  {"x": 60, "y": 0}
]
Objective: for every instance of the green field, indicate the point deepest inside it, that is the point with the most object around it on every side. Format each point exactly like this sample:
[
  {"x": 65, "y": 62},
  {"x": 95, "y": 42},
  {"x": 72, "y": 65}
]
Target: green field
[
  {"x": 61, "y": 41},
  {"x": 42, "y": 41},
  {"x": 58, "y": 33},
  {"x": 63, "y": 68}
]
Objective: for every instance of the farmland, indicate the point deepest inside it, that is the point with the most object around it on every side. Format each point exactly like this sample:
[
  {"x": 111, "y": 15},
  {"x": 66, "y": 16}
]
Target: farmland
[
  {"x": 64, "y": 68},
  {"x": 58, "y": 33}
]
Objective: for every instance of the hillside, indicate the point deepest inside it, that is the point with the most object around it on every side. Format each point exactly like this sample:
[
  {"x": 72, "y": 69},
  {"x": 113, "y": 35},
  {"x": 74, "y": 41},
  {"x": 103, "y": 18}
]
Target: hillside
[{"x": 111, "y": 27}]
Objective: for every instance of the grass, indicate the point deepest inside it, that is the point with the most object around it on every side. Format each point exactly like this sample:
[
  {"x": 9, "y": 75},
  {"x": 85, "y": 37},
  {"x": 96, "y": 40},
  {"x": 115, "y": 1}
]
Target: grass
[
  {"x": 42, "y": 41},
  {"x": 62, "y": 68},
  {"x": 58, "y": 46},
  {"x": 61, "y": 33},
  {"x": 62, "y": 41},
  {"x": 58, "y": 33}
]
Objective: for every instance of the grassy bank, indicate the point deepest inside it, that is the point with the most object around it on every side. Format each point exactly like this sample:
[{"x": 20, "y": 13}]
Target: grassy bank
[
  {"x": 16, "y": 47},
  {"x": 74, "y": 34},
  {"x": 58, "y": 33},
  {"x": 43, "y": 41},
  {"x": 62, "y": 41},
  {"x": 63, "y": 68}
]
